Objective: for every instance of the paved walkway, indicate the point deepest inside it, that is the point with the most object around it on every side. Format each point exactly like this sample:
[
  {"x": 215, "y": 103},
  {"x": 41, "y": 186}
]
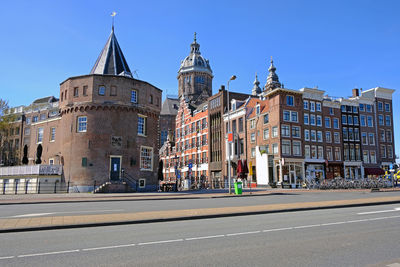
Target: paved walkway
[{"x": 59, "y": 222}]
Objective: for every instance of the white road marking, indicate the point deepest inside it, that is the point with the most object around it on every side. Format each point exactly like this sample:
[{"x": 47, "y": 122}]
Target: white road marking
[
  {"x": 198, "y": 238},
  {"x": 109, "y": 247},
  {"x": 244, "y": 233},
  {"x": 59, "y": 212},
  {"x": 160, "y": 242},
  {"x": 378, "y": 211},
  {"x": 394, "y": 265},
  {"x": 48, "y": 253},
  {"x": 9, "y": 257},
  {"x": 203, "y": 237}
]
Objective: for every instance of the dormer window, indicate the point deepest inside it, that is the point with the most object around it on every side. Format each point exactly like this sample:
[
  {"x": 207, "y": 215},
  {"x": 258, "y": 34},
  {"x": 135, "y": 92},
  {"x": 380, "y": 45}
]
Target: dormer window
[
  {"x": 233, "y": 105},
  {"x": 258, "y": 109}
]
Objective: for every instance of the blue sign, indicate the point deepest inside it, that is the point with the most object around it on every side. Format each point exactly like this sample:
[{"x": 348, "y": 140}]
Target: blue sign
[
  {"x": 190, "y": 165},
  {"x": 391, "y": 166},
  {"x": 179, "y": 175}
]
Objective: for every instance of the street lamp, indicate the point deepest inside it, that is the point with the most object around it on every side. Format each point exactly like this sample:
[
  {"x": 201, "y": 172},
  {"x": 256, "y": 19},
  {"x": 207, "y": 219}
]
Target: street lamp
[{"x": 229, "y": 131}]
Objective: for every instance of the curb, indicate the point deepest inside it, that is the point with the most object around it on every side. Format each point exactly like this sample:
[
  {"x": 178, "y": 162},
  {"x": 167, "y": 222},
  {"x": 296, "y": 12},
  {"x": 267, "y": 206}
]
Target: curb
[{"x": 194, "y": 217}]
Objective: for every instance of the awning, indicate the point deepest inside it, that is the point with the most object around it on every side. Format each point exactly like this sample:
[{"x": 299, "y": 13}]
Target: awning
[{"x": 374, "y": 171}]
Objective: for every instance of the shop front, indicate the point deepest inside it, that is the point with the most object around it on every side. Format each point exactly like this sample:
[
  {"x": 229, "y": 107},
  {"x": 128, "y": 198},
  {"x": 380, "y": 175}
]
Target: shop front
[
  {"x": 334, "y": 170},
  {"x": 353, "y": 170},
  {"x": 315, "y": 169},
  {"x": 290, "y": 171}
]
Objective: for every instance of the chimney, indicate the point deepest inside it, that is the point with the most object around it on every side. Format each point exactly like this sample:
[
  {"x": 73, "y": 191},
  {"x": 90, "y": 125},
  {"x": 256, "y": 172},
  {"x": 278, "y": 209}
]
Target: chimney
[{"x": 355, "y": 92}]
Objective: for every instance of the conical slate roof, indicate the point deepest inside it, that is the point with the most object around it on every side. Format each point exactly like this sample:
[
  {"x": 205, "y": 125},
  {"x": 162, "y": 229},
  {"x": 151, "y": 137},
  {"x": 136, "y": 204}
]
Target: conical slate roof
[{"x": 111, "y": 59}]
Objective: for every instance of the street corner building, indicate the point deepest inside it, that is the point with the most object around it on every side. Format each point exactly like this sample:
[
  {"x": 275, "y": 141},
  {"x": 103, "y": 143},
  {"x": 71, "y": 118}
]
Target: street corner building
[{"x": 103, "y": 127}]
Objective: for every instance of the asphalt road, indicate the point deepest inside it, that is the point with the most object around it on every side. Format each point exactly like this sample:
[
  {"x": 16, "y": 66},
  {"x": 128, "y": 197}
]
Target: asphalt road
[
  {"x": 104, "y": 207},
  {"x": 358, "y": 236}
]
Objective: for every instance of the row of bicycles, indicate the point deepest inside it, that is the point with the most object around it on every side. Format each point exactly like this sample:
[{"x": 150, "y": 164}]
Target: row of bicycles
[{"x": 342, "y": 183}]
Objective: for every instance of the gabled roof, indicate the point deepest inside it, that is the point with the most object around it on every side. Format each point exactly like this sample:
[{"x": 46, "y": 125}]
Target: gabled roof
[
  {"x": 48, "y": 99},
  {"x": 111, "y": 59},
  {"x": 170, "y": 106}
]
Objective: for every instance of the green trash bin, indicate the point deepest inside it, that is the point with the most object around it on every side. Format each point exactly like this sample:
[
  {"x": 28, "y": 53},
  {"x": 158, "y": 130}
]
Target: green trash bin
[{"x": 238, "y": 188}]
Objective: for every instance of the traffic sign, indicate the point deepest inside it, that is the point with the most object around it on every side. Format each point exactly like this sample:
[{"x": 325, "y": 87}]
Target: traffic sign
[
  {"x": 190, "y": 165},
  {"x": 230, "y": 137}
]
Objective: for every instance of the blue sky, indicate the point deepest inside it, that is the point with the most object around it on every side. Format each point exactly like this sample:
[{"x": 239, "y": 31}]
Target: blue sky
[{"x": 335, "y": 45}]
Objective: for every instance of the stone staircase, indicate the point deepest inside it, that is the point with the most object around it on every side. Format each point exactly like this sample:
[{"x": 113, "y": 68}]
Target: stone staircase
[{"x": 114, "y": 187}]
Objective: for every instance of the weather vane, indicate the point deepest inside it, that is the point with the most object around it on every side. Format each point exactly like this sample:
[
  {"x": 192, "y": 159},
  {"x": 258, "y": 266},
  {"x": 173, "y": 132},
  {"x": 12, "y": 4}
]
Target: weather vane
[{"x": 113, "y": 15}]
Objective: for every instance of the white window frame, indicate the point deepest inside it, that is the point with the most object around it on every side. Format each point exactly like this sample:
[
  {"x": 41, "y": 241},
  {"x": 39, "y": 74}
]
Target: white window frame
[
  {"x": 81, "y": 124},
  {"x": 286, "y": 147},
  {"x": 52, "y": 135},
  {"x": 305, "y": 104},
  {"x": 143, "y": 132},
  {"x": 149, "y": 157},
  {"x": 306, "y": 115},
  {"x": 296, "y": 144},
  {"x": 134, "y": 98},
  {"x": 306, "y": 134},
  {"x": 284, "y": 126},
  {"x": 39, "y": 136}
]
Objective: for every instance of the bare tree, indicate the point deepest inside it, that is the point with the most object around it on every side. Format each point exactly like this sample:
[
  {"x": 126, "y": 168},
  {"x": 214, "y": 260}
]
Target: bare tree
[{"x": 7, "y": 149}]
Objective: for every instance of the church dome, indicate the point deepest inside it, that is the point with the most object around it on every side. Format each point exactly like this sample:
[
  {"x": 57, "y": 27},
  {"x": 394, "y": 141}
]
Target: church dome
[{"x": 195, "y": 61}]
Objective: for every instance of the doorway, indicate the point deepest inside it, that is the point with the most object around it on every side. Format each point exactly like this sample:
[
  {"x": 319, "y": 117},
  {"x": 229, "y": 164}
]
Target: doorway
[{"x": 115, "y": 168}]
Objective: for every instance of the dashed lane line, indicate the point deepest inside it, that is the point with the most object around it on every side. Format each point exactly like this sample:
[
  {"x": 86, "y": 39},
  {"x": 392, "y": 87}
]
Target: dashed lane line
[{"x": 197, "y": 238}]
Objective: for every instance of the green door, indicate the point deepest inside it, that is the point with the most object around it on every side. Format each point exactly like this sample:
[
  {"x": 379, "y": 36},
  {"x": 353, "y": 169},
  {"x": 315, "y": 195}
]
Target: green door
[{"x": 115, "y": 168}]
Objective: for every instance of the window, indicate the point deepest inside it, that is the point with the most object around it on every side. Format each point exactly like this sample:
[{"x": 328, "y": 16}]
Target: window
[
  {"x": 371, "y": 138},
  {"x": 383, "y": 151},
  {"x": 331, "y": 111},
  {"x": 204, "y": 123},
  {"x": 351, "y": 135},
  {"x": 327, "y": 122},
  {"x": 307, "y": 135},
  {"x": 365, "y": 156},
  {"x": 234, "y": 126},
  {"x": 76, "y": 92},
  {"x": 275, "y": 148},
  {"x": 266, "y": 134},
  {"x": 380, "y": 106},
  {"x": 133, "y": 96},
  {"x": 318, "y": 106},
  {"x": 146, "y": 158},
  {"x": 320, "y": 152},
  {"x": 312, "y": 106},
  {"x": 296, "y": 148},
  {"x": 82, "y": 124},
  {"x": 369, "y": 108},
  {"x": 336, "y": 137},
  {"x": 344, "y": 119},
  {"x": 350, "y": 120},
  {"x": 42, "y": 117},
  {"x": 387, "y": 107},
  {"x": 337, "y": 154},
  {"x": 266, "y": 118},
  {"x": 305, "y": 103},
  {"x": 336, "y": 123},
  {"x": 84, "y": 162},
  {"x": 312, "y": 119},
  {"x": 372, "y": 155},
  {"x": 361, "y": 106},
  {"x": 306, "y": 118},
  {"x": 319, "y": 136},
  {"x": 102, "y": 90},
  {"x": 28, "y": 120},
  {"x": 328, "y": 137},
  {"x": 356, "y": 134},
  {"x": 286, "y": 147},
  {"x": 27, "y": 131},
  {"x": 355, "y": 110},
  {"x": 349, "y": 109},
  {"x": 364, "y": 138},
  {"x": 35, "y": 119},
  {"x": 252, "y": 124},
  {"x": 240, "y": 125},
  {"x": 363, "y": 121},
  {"x": 286, "y": 115},
  {"x": 307, "y": 152},
  {"x": 329, "y": 154},
  {"x": 275, "y": 131},
  {"x": 314, "y": 152},
  {"x": 294, "y": 116},
  {"x": 389, "y": 136},
  {"x": 346, "y": 152},
  {"x": 345, "y": 135},
  {"x": 52, "y": 134},
  {"x": 343, "y": 108},
  {"x": 380, "y": 120},
  {"x": 382, "y": 135},
  {"x": 253, "y": 137},
  {"x": 141, "y": 130},
  {"x": 253, "y": 152},
  {"x": 355, "y": 120},
  {"x": 388, "y": 121},
  {"x": 313, "y": 136},
  {"x": 84, "y": 91},
  {"x": 113, "y": 91},
  {"x": 285, "y": 130},
  {"x": 296, "y": 131},
  {"x": 289, "y": 100},
  {"x": 258, "y": 109},
  {"x": 39, "y": 138},
  {"x": 369, "y": 120},
  {"x": 51, "y": 161},
  {"x": 319, "y": 120}
]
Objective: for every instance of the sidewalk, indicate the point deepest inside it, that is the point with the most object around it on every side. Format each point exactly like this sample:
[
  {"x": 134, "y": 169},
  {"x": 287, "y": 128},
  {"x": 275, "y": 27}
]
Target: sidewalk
[{"x": 63, "y": 222}]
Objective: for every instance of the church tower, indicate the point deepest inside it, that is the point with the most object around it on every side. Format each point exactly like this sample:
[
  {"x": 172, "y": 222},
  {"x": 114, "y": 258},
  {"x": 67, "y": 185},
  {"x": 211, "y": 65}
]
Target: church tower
[
  {"x": 195, "y": 76},
  {"x": 272, "y": 79}
]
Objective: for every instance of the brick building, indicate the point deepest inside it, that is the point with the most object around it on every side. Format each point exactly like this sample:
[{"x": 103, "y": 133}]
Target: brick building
[{"x": 102, "y": 123}]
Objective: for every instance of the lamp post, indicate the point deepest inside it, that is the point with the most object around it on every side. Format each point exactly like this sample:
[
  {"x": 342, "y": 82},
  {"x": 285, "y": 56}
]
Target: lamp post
[{"x": 229, "y": 131}]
